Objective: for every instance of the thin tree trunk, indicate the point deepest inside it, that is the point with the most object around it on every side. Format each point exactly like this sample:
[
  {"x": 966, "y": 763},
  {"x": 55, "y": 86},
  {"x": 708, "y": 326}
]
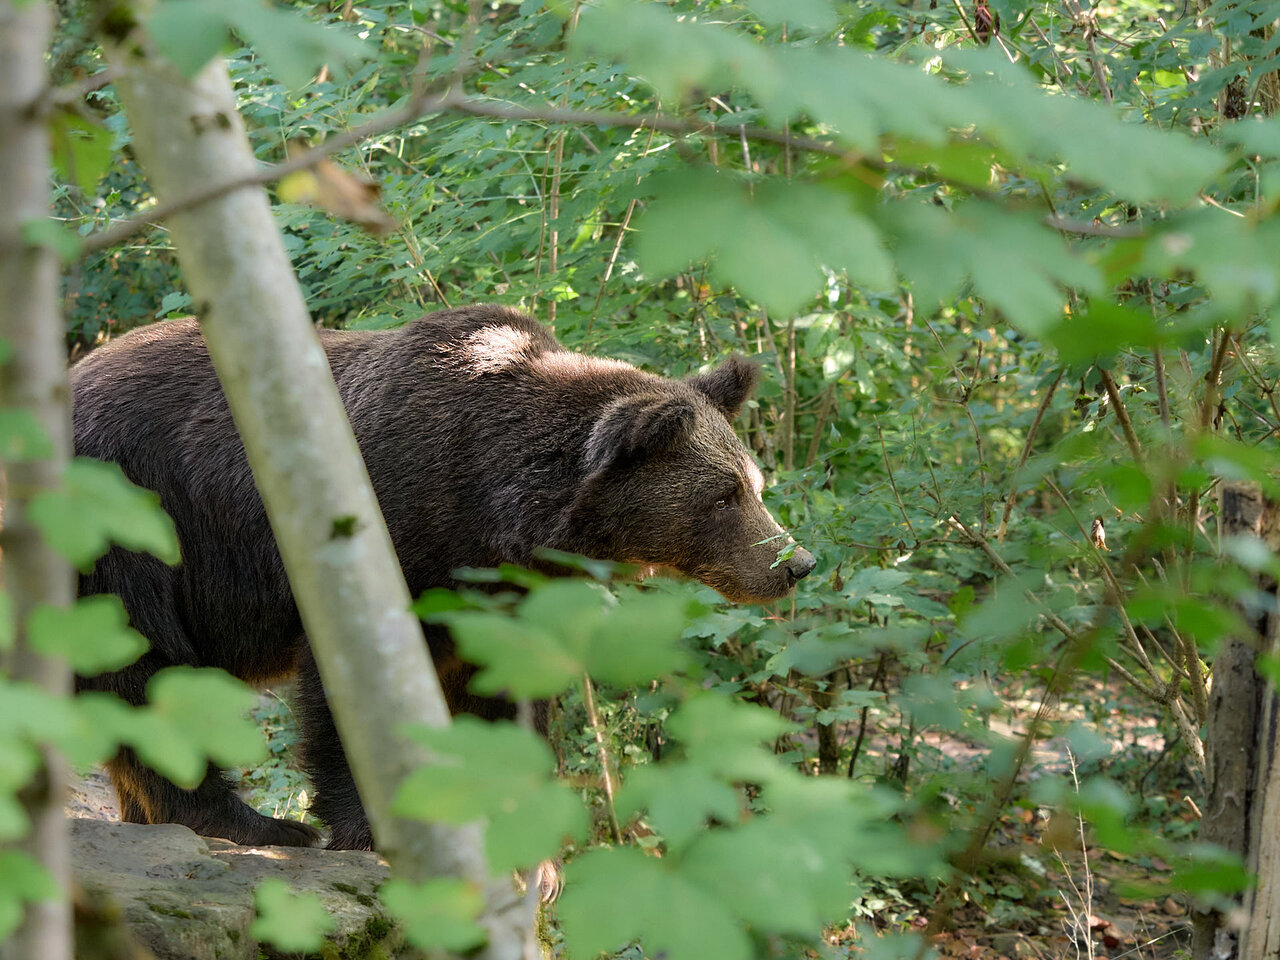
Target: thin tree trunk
[
  {"x": 335, "y": 546},
  {"x": 34, "y": 380},
  {"x": 1242, "y": 799},
  {"x": 1261, "y": 936}
]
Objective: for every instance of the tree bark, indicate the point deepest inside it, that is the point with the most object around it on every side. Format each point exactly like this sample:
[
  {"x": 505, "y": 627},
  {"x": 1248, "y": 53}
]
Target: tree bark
[
  {"x": 1243, "y": 782},
  {"x": 335, "y": 546},
  {"x": 34, "y": 381}
]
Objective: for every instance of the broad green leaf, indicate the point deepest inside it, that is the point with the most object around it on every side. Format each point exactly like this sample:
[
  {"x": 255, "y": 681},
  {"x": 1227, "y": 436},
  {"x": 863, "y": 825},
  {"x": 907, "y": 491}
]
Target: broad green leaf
[
  {"x": 814, "y": 14},
  {"x": 81, "y": 150},
  {"x": 1101, "y": 330},
  {"x": 770, "y": 240},
  {"x": 676, "y": 57},
  {"x": 7, "y": 626},
  {"x": 618, "y": 896},
  {"x": 520, "y": 658},
  {"x": 679, "y": 797},
  {"x": 772, "y": 877},
  {"x": 209, "y": 707},
  {"x": 22, "y": 437},
  {"x": 290, "y": 921},
  {"x": 93, "y": 635},
  {"x": 637, "y": 640},
  {"x": 727, "y": 735},
  {"x": 189, "y": 33},
  {"x": 22, "y": 880},
  {"x": 193, "y": 715},
  {"x": 293, "y": 46},
  {"x": 437, "y": 914},
  {"x": 97, "y": 506},
  {"x": 497, "y": 771}
]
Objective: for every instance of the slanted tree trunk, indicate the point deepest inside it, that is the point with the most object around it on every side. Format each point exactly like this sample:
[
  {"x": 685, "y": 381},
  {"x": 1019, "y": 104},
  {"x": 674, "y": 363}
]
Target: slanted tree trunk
[
  {"x": 335, "y": 545},
  {"x": 1242, "y": 802},
  {"x": 33, "y": 381}
]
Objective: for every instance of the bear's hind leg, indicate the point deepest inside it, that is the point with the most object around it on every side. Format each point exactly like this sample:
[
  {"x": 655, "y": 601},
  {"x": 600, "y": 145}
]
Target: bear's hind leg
[
  {"x": 335, "y": 798},
  {"x": 212, "y": 809}
]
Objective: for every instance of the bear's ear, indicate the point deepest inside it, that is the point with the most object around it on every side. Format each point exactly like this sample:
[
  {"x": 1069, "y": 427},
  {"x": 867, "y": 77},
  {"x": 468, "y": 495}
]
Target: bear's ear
[
  {"x": 634, "y": 427},
  {"x": 728, "y": 385}
]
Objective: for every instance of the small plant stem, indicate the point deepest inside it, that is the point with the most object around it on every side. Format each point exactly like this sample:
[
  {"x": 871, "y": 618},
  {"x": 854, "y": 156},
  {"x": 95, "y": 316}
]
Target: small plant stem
[
  {"x": 862, "y": 720},
  {"x": 824, "y": 413},
  {"x": 884, "y": 453},
  {"x": 606, "y": 764},
  {"x": 1026, "y": 452},
  {"x": 789, "y": 409}
]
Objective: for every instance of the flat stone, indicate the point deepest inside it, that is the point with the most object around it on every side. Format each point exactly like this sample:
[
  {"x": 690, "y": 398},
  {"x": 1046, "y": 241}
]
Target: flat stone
[{"x": 184, "y": 897}]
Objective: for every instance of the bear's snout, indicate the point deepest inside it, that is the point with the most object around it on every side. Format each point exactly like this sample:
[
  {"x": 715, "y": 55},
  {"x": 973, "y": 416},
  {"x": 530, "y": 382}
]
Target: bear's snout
[{"x": 801, "y": 564}]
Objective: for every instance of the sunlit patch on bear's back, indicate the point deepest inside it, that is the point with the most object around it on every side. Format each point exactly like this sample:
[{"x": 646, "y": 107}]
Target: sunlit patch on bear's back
[{"x": 496, "y": 347}]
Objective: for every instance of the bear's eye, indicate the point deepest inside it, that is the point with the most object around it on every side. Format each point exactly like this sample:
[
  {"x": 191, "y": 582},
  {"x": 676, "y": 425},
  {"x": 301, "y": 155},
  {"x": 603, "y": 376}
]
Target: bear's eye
[{"x": 722, "y": 504}]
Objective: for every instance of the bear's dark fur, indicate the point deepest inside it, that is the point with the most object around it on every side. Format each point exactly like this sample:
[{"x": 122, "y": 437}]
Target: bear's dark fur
[{"x": 485, "y": 440}]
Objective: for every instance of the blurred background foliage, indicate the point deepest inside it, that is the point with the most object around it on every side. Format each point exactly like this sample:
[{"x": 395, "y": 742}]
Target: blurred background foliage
[{"x": 1009, "y": 270}]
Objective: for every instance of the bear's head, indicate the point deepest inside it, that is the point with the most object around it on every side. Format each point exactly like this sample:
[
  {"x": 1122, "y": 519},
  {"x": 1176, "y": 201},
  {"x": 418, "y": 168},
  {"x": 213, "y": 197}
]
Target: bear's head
[{"x": 668, "y": 483}]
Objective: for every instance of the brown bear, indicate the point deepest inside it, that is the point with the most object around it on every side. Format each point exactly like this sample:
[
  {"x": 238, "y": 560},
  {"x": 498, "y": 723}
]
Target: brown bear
[{"x": 485, "y": 440}]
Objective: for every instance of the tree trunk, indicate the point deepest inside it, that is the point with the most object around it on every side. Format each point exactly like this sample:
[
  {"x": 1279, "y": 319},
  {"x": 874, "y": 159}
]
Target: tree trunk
[
  {"x": 34, "y": 381},
  {"x": 335, "y": 546},
  {"x": 1243, "y": 788}
]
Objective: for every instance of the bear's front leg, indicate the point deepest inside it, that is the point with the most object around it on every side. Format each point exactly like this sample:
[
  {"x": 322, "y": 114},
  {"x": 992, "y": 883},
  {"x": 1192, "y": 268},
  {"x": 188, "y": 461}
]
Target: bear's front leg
[{"x": 212, "y": 809}]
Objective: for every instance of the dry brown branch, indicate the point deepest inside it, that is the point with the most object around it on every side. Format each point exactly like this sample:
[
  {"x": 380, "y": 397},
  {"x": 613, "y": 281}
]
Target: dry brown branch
[
  {"x": 1122, "y": 415},
  {"x": 605, "y": 754}
]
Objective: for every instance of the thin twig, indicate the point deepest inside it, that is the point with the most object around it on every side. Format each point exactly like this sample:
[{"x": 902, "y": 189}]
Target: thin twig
[
  {"x": 1026, "y": 452},
  {"x": 893, "y": 485}
]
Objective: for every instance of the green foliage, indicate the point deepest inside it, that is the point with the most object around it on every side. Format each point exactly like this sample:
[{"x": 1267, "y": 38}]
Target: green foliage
[
  {"x": 291, "y": 922},
  {"x": 22, "y": 881},
  {"x": 173, "y": 733},
  {"x": 97, "y": 506},
  {"x": 93, "y": 635},
  {"x": 937, "y": 253},
  {"x": 565, "y": 629},
  {"x": 499, "y": 772},
  {"x": 437, "y": 914},
  {"x": 191, "y": 32}
]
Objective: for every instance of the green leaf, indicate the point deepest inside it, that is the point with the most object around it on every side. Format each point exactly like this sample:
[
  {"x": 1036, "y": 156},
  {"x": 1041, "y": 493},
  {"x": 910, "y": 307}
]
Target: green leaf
[
  {"x": 192, "y": 715},
  {"x": 772, "y": 877},
  {"x": 93, "y": 635},
  {"x": 97, "y": 506},
  {"x": 816, "y": 15},
  {"x": 22, "y": 880},
  {"x": 81, "y": 150},
  {"x": 770, "y": 240},
  {"x": 22, "y": 437},
  {"x": 63, "y": 241},
  {"x": 617, "y": 896},
  {"x": 7, "y": 632},
  {"x": 679, "y": 798},
  {"x": 294, "y": 48},
  {"x": 637, "y": 640},
  {"x": 291, "y": 922},
  {"x": 521, "y": 658},
  {"x": 437, "y": 914},
  {"x": 727, "y": 735},
  {"x": 189, "y": 33},
  {"x": 497, "y": 771}
]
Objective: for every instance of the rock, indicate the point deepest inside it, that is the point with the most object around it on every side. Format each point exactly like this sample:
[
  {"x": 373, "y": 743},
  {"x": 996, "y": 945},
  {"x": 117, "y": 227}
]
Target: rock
[{"x": 184, "y": 897}]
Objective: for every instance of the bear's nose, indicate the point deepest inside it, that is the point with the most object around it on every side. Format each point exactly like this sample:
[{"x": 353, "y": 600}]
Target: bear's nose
[{"x": 801, "y": 564}]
